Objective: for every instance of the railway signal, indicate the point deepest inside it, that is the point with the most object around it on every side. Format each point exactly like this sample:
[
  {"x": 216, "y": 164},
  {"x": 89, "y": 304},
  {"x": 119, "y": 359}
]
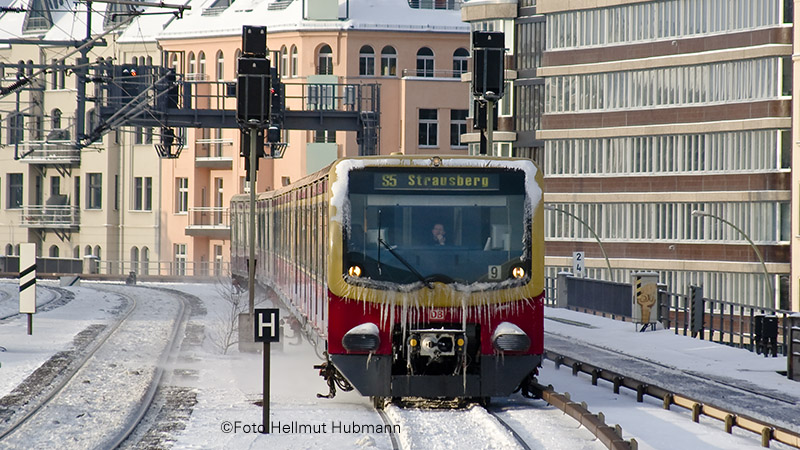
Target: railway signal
[{"x": 488, "y": 81}]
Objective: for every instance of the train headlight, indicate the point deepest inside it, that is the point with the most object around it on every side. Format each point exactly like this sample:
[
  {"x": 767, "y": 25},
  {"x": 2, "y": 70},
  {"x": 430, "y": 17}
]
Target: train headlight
[
  {"x": 460, "y": 342},
  {"x": 518, "y": 272},
  {"x": 354, "y": 271},
  {"x": 363, "y": 338},
  {"x": 413, "y": 342},
  {"x": 508, "y": 337}
]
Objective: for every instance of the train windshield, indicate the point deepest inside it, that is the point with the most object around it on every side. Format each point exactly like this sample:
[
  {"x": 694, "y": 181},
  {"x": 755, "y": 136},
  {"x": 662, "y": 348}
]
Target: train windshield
[{"x": 452, "y": 226}]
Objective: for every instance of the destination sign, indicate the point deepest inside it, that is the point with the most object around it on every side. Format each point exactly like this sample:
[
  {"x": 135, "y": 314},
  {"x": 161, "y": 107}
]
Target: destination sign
[{"x": 449, "y": 181}]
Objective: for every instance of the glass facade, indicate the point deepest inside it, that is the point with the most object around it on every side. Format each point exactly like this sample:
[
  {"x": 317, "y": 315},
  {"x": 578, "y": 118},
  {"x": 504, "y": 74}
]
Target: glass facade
[
  {"x": 724, "y": 82},
  {"x": 659, "y": 20},
  {"x": 669, "y": 154}
]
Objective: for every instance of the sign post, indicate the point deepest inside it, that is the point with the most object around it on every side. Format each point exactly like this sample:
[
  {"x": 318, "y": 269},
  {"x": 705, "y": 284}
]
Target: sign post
[
  {"x": 27, "y": 282},
  {"x": 267, "y": 323},
  {"x": 578, "y": 264}
]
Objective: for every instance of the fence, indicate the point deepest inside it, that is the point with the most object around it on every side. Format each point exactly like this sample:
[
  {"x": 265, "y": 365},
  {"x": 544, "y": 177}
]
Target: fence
[
  {"x": 728, "y": 323},
  {"x": 94, "y": 265}
]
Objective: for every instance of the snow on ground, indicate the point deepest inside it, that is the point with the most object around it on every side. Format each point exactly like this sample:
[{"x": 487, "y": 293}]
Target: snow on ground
[
  {"x": 227, "y": 386},
  {"x": 53, "y": 331},
  {"x": 104, "y": 395},
  {"x": 9, "y": 298}
]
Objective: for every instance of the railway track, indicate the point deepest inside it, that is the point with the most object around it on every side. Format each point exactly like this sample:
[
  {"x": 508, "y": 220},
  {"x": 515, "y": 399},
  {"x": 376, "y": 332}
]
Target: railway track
[
  {"x": 107, "y": 390},
  {"x": 675, "y": 393},
  {"x": 524, "y": 424},
  {"x": 10, "y": 308}
]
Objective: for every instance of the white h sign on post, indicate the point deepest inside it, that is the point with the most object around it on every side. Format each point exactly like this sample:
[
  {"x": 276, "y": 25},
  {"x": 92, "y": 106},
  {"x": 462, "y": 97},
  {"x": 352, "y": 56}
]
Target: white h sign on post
[
  {"x": 267, "y": 321},
  {"x": 578, "y": 264},
  {"x": 27, "y": 278}
]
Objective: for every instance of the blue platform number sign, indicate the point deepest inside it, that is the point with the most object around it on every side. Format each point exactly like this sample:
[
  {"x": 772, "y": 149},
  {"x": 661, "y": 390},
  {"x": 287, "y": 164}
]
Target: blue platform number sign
[{"x": 267, "y": 322}]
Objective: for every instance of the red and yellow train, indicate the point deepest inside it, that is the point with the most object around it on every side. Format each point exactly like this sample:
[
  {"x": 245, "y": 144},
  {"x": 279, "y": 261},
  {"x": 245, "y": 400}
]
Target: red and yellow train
[{"x": 423, "y": 276}]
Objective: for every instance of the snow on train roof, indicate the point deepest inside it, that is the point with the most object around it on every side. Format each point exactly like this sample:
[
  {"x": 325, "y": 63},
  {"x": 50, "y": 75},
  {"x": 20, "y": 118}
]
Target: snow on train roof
[
  {"x": 373, "y": 15},
  {"x": 344, "y": 167}
]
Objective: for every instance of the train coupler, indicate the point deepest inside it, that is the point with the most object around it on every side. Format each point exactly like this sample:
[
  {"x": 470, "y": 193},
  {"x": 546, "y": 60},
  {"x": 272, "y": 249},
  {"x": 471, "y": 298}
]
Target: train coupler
[
  {"x": 530, "y": 387},
  {"x": 334, "y": 378}
]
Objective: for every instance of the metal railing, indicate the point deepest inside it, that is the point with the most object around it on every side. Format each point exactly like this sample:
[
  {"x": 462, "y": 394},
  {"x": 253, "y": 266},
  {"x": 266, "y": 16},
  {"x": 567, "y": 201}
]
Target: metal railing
[
  {"x": 62, "y": 151},
  {"x": 209, "y": 217},
  {"x": 178, "y": 268},
  {"x": 436, "y": 4},
  {"x": 722, "y": 322},
  {"x": 213, "y": 149},
  {"x": 47, "y": 216},
  {"x": 439, "y": 73}
]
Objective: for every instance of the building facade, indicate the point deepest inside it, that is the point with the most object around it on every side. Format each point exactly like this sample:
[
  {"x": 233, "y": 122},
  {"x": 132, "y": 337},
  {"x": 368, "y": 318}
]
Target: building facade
[
  {"x": 170, "y": 216},
  {"x": 668, "y": 130}
]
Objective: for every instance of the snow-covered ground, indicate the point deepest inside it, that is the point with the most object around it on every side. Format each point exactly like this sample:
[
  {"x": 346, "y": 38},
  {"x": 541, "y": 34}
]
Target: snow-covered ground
[{"x": 228, "y": 385}]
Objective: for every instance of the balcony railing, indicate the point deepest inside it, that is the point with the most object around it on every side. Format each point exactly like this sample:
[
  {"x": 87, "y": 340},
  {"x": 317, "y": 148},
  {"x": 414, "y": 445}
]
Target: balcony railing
[
  {"x": 49, "y": 152},
  {"x": 47, "y": 216},
  {"x": 436, "y": 4},
  {"x": 214, "y": 153},
  {"x": 212, "y": 222},
  {"x": 423, "y": 73}
]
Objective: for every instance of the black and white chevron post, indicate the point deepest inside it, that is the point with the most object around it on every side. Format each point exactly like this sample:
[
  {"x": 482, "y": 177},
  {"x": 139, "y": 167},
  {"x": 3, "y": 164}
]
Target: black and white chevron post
[{"x": 27, "y": 282}]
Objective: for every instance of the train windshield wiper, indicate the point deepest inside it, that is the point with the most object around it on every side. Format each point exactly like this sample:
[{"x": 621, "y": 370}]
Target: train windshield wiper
[{"x": 405, "y": 263}]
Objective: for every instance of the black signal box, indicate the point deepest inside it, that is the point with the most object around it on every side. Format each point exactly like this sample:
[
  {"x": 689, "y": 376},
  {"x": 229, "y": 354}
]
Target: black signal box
[{"x": 254, "y": 41}]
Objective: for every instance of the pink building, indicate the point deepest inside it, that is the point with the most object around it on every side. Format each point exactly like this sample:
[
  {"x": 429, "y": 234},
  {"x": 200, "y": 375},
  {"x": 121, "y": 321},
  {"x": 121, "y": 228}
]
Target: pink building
[{"x": 416, "y": 56}]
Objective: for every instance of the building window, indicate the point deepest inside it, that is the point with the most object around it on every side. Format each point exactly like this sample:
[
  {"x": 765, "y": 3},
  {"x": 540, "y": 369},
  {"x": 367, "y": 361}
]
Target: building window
[
  {"x": 148, "y": 135},
  {"x": 220, "y": 65},
  {"x": 14, "y": 191},
  {"x": 94, "y": 194},
  {"x": 180, "y": 259},
  {"x": 56, "y": 119},
  {"x": 77, "y": 192},
  {"x": 190, "y": 68},
  {"x": 218, "y": 260},
  {"x": 284, "y": 62},
  {"x": 295, "y": 61},
  {"x": 366, "y": 61},
  {"x": 16, "y": 129},
  {"x": 55, "y": 186},
  {"x": 135, "y": 259},
  {"x": 116, "y": 192},
  {"x": 325, "y": 64},
  {"x": 138, "y": 135},
  {"x": 460, "y": 58},
  {"x": 54, "y": 251},
  {"x": 428, "y": 127},
  {"x": 425, "y": 62},
  {"x": 458, "y": 126},
  {"x": 201, "y": 64},
  {"x": 325, "y": 136},
  {"x": 145, "y": 260},
  {"x": 143, "y": 193},
  {"x": 388, "y": 61},
  {"x": 9, "y": 250},
  {"x": 182, "y": 195}
]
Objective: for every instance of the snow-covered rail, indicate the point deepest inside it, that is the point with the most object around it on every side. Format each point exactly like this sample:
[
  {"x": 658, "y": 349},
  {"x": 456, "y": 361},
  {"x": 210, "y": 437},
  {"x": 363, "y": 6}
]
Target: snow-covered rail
[
  {"x": 50, "y": 297},
  {"x": 509, "y": 423},
  {"x": 690, "y": 391},
  {"x": 105, "y": 392}
]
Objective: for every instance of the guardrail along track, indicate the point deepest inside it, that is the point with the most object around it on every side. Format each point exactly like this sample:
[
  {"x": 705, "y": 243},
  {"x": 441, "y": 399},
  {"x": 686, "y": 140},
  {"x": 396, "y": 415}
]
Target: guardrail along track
[{"x": 768, "y": 432}]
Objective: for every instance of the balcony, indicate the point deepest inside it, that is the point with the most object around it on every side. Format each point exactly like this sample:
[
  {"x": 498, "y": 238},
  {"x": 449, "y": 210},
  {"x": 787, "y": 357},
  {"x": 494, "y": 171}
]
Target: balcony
[
  {"x": 63, "y": 217},
  {"x": 50, "y": 152},
  {"x": 436, "y": 4},
  {"x": 214, "y": 153},
  {"x": 209, "y": 222},
  {"x": 433, "y": 74}
]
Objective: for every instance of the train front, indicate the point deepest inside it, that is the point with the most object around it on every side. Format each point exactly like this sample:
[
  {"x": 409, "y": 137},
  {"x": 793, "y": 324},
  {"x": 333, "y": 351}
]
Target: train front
[{"x": 436, "y": 275}]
